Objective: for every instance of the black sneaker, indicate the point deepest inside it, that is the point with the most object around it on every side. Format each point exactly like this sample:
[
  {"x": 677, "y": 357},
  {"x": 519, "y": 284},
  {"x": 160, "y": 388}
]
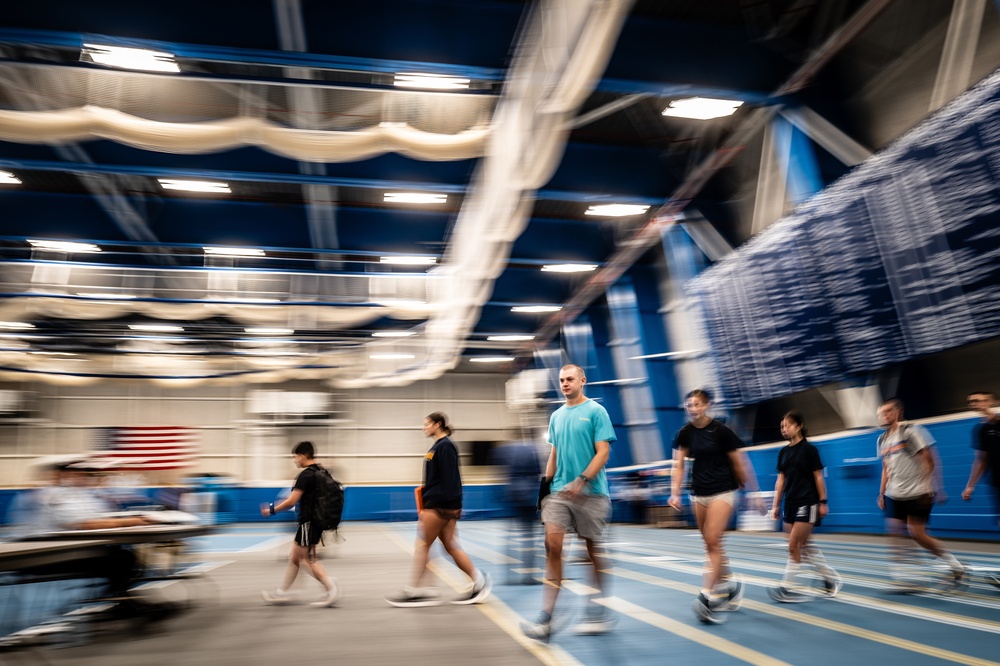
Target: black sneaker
[
  {"x": 785, "y": 596},
  {"x": 705, "y": 609},
  {"x": 477, "y": 593},
  {"x": 411, "y": 597},
  {"x": 831, "y": 586},
  {"x": 734, "y": 596}
]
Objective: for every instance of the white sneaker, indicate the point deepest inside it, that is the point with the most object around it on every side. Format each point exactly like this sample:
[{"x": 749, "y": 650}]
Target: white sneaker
[
  {"x": 276, "y": 598},
  {"x": 329, "y": 599}
]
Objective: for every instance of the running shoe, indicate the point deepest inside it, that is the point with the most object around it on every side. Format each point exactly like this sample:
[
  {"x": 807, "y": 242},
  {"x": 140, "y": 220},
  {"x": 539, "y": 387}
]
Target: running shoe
[
  {"x": 786, "y": 596},
  {"x": 329, "y": 599},
  {"x": 277, "y": 598},
  {"x": 959, "y": 580},
  {"x": 598, "y": 621},
  {"x": 705, "y": 609},
  {"x": 477, "y": 593},
  {"x": 993, "y": 579},
  {"x": 540, "y": 629},
  {"x": 734, "y": 596},
  {"x": 414, "y": 597},
  {"x": 832, "y": 585}
]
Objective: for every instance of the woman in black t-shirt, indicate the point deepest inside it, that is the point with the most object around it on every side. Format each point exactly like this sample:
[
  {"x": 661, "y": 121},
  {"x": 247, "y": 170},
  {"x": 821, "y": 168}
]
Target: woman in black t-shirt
[
  {"x": 439, "y": 511},
  {"x": 800, "y": 481},
  {"x": 717, "y": 473}
]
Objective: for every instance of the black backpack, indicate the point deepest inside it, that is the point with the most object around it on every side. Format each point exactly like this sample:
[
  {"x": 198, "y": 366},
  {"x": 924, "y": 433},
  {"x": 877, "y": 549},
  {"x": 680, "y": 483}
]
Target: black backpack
[{"x": 328, "y": 505}]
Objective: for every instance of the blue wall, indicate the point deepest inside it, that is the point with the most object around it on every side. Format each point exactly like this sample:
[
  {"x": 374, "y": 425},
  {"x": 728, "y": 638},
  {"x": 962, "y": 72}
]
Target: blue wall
[{"x": 853, "y": 474}]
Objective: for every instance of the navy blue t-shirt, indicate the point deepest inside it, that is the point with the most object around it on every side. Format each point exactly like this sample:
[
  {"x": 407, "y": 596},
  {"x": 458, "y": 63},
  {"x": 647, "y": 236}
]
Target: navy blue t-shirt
[{"x": 442, "y": 479}]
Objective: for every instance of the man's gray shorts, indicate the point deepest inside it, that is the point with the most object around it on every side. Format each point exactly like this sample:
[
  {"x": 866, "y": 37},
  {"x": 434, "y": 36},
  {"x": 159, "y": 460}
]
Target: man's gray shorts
[{"x": 586, "y": 515}]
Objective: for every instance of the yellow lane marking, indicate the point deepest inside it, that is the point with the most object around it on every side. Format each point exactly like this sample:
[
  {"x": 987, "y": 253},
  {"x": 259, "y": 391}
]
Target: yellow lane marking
[
  {"x": 830, "y": 625},
  {"x": 500, "y": 613},
  {"x": 690, "y": 633}
]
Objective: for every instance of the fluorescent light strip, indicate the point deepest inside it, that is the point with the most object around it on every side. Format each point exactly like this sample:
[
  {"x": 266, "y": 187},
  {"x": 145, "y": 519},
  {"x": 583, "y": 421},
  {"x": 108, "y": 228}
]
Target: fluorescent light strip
[
  {"x": 63, "y": 246},
  {"x": 15, "y": 324},
  {"x": 414, "y": 198},
  {"x": 510, "y": 338},
  {"x": 616, "y": 210},
  {"x": 702, "y": 108},
  {"x": 536, "y": 308},
  {"x": 202, "y": 186},
  {"x": 106, "y": 297},
  {"x": 688, "y": 352},
  {"x": 234, "y": 251},
  {"x": 7, "y": 178},
  {"x": 430, "y": 81},
  {"x": 156, "y": 328},
  {"x": 270, "y": 331},
  {"x": 568, "y": 268},
  {"x": 391, "y": 356},
  {"x": 129, "y": 58},
  {"x": 491, "y": 359},
  {"x": 392, "y": 334},
  {"x": 409, "y": 261}
]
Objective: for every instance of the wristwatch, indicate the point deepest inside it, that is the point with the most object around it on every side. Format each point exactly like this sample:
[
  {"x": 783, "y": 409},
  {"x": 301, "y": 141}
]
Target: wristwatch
[{"x": 583, "y": 478}]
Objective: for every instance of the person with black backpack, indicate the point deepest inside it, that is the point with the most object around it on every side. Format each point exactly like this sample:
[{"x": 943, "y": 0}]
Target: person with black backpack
[{"x": 310, "y": 489}]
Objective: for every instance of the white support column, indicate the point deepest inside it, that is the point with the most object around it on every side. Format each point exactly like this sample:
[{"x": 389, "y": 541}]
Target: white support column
[
  {"x": 769, "y": 204},
  {"x": 827, "y": 135},
  {"x": 959, "y": 51}
]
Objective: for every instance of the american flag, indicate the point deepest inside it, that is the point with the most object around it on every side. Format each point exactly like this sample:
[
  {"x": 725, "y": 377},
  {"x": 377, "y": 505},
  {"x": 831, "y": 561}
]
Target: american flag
[{"x": 147, "y": 448}]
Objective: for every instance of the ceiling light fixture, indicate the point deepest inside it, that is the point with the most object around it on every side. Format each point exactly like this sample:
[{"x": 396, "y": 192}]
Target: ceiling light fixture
[
  {"x": 201, "y": 186},
  {"x": 414, "y": 198},
  {"x": 702, "y": 108},
  {"x": 392, "y": 334},
  {"x": 129, "y": 58},
  {"x": 536, "y": 308},
  {"x": 15, "y": 324},
  {"x": 617, "y": 210},
  {"x": 234, "y": 251},
  {"x": 568, "y": 268},
  {"x": 491, "y": 359},
  {"x": 269, "y": 331},
  {"x": 156, "y": 328},
  {"x": 510, "y": 338},
  {"x": 391, "y": 356},
  {"x": 63, "y": 246},
  {"x": 106, "y": 297},
  {"x": 430, "y": 81},
  {"x": 7, "y": 178},
  {"x": 409, "y": 261}
]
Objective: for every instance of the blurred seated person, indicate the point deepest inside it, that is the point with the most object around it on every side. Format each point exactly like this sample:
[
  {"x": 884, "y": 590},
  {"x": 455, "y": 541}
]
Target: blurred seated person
[{"x": 71, "y": 504}]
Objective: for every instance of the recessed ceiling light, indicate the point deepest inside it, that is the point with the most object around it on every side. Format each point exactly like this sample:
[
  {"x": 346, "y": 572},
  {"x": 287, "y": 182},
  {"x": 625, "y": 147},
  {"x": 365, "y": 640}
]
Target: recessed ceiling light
[
  {"x": 15, "y": 324},
  {"x": 409, "y": 261},
  {"x": 392, "y": 334},
  {"x": 269, "y": 331},
  {"x": 414, "y": 198},
  {"x": 536, "y": 308},
  {"x": 234, "y": 251},
  {"x": 63, "y": 246},
  {"x": 430, "y": 81},
  {"x": 156, "y": 328},
  {"x": 616, "y": 210},
  {"x": 491, "y": 359},
  {"x": 129, "y": 58},
  {"x": 7, "y": 178},
  {"x": 391, "y": 356},
  {"x": 203, "y": 186},
  {"x": 702, "y": 108},
  {"x": 568, "y": 268},
  {"x": 510, "y": 338}
]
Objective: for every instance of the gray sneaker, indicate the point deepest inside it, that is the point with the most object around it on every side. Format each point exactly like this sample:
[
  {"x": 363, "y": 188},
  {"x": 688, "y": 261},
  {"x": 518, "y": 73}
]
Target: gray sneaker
[
  {"x": 477, "y": 593},
  {"x": 540, "y": 629},
  {"x": 414, "y": 597},
  {"x": 786, "y": 596},
  {"x": 596, "y": 622},
  {"x": 706, "y": 609}
]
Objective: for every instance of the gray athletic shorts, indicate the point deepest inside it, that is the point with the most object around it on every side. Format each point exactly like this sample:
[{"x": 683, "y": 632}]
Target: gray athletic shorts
[{"x": 586, "y": 515}]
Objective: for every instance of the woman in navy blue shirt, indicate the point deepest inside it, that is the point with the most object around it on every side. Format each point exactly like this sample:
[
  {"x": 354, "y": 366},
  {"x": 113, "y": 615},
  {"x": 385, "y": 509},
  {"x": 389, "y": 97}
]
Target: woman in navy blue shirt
[{"x": 441, "y": 499}]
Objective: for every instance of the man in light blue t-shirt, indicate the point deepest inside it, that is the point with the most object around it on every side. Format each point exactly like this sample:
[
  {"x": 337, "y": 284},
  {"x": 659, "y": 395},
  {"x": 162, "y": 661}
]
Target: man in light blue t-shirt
[{"x": 580, "y": 432}]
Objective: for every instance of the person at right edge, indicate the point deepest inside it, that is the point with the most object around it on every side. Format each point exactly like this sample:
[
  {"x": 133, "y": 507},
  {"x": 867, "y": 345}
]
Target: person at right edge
[
  {"x": 906, "y": 493},
  {"x": 581, "y": 434}
]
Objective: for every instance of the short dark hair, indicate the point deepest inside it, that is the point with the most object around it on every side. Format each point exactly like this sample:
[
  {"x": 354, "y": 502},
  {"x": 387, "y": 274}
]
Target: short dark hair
[
  {"x": 895, "y": 403},
  {"x": 991, "y": 394},
  {"x": 795, "y": 416},
  {"x": 305, "y": 449},
  {"x": 699, "y": 393}
]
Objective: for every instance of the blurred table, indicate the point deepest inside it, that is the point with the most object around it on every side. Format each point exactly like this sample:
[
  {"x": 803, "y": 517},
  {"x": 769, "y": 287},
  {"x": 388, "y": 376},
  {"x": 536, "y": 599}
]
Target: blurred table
[
  {"x": 16, "y": 556},
  {"x": 128, "y": 535}
]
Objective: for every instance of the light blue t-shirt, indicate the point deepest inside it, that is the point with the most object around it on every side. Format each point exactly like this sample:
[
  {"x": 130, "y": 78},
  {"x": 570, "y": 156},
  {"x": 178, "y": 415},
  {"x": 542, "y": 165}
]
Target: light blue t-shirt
[{"x": 574, "y": 431}]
